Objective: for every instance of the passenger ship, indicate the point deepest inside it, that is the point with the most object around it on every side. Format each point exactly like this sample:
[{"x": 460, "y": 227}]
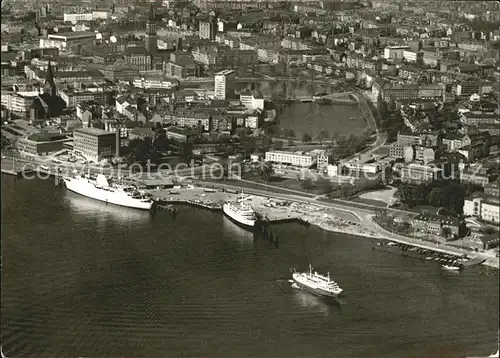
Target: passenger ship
[
  {"x": 241, "y": 214},
  {"x": 316, "y": 283},
  {"x": 100, "y": 189}
]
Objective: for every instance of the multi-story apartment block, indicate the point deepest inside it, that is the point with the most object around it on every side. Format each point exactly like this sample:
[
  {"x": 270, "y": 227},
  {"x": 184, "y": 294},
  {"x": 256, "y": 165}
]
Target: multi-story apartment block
[
  {"x": 492, "y": 190},
  {"x": 396, "y": 91},
  {"x": 207, "y": 30},
  {"x": 470, "y": 176},
  {"x": 94, "y": 144},
  {"x": 474, "y": 118},
  {"x": 252, "y": 100},
  {"x": 293, "y": 159},
  {"x": 224, "y": 84},
  {"x": 395, "y": 52},
  {"x": 467, "y": 88},
  {"x": 482, "y": 209},
  {"x": 18, "y": 102},
  {"x": 418, "y": 174},
  {"x": 155, "y": 82},
  {"x": 434, "y": 224}
]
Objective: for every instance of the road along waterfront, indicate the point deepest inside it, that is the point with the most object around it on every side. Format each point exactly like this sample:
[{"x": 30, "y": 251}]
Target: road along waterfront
[
  {"x": 328, "y": 216},
  {"x": 319, "y": 213}
]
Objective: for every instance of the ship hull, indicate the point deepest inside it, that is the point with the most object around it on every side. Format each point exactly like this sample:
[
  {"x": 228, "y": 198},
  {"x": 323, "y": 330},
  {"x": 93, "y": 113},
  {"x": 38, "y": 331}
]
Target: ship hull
[
  {"x": 316, "y": 291},
  {"x": 116, "y": 198},
  {"x": 238, "y": 219}
]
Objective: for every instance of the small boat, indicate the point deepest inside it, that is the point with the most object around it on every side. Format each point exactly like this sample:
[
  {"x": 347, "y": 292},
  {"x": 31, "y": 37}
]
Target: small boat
[{"x": 451, "y": 267}]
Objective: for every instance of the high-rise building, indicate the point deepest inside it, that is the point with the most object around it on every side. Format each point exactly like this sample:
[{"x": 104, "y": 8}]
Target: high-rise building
[
  {"x": 207, "y": 29},
  {"x": 151, "y": 41},
  {"x": 224, "y": 84}
]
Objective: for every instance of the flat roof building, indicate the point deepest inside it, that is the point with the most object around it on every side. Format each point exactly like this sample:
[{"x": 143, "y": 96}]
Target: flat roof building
[{"x": 94, "y": 144}]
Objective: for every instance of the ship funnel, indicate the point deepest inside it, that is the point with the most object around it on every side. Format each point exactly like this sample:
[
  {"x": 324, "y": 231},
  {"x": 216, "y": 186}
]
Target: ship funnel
[{"x": 102, "y": 181}]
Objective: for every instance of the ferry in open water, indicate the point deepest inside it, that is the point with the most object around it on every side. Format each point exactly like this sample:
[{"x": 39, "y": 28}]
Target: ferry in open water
[
  {"x": 99, "y": 188},
  {"x": 317, "y": 284},
  {"x": 242, "y": 214}
]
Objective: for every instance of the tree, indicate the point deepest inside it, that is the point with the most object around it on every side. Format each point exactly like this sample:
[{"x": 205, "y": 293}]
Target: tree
[
  {"x": 381, "y": 214},
  {"x": 404, "y": 193},
  {"x": 346, "y": 191},
  {"x": 420, "y": 193},
  {"x": 307, "y": 184},
  {"x": 324, "y": 185},
  {"x": 405, "y": 226},
  {"x": 277, "y": 145},
  {"x": 322, "y": 135},
  {"x": 306, "y": 138},
  {"x": 265, "y": 170},
  {"x": 291, "y": 142},
  {"x": 266, "y": 142}
]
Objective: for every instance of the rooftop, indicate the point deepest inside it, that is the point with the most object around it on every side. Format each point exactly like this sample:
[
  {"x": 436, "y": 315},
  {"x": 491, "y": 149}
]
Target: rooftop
[{"x": 93, "y": 131}]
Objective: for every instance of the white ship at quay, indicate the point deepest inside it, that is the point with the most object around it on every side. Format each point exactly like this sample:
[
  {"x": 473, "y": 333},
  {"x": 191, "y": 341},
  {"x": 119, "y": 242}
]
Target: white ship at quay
[
  {"x": 242, "y": 214},
  {"x": 99, "y": 188}
]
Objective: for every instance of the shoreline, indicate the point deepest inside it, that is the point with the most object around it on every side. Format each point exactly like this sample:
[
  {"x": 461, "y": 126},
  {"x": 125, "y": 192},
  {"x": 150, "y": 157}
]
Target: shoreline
[{"x": 277, "y": 211}]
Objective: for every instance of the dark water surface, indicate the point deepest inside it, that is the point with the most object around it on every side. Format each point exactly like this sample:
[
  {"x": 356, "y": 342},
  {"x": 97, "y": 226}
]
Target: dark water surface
[{"x": 84, "y": 279}]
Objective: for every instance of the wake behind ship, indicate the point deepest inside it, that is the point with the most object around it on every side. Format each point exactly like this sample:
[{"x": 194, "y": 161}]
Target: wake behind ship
[
  {"x": 317, "y": 284},
  {"x": 100, "y": 189},
  {"x": 242, "y": 214}
]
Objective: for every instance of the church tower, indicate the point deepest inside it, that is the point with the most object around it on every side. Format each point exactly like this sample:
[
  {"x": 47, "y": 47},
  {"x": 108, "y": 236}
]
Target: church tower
[
  {"x": 50, "y": 83},
  {"x": 151, "y": 42}
]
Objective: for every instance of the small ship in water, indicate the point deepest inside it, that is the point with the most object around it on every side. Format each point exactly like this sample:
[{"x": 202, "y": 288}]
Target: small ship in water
[{"x": 316, "y": 283}]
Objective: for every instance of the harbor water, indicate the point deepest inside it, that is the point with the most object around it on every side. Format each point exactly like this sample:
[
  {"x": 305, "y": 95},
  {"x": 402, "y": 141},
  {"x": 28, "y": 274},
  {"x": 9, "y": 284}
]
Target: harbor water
[{"x": 84, "y": 279}]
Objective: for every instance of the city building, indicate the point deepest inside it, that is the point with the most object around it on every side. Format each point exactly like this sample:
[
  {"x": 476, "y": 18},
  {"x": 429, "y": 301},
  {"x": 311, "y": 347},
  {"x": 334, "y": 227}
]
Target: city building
[
  {"x": 487, "y": 210},
  {"x": 252, "y": 100},
  {"x": 417, "y": 174},
  {"x": 471, "y": 176},
  {"x": 292, "y": 159},
  {"x": 467, "y": 88},
  {"x": 207, "y": 29},
  {"x": 322, "y": 163},
  {"x": 41, "y": 143},
  {"x": 437, "y": 225},
  {"x": 151, "y": 39},
  {"x": 68, "y": 40},
  {"x": 18, "y": 102},
  {"x": 492, "y": 190},
  {"x": 224, "y": 84},
  {"x": 405, "y": 91},
  {"x": 397, "y": 150},
  {"x": 94, "y": 144},
  {"x": 156, "y": 82},
  {"x": 395, "y": 52}
]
